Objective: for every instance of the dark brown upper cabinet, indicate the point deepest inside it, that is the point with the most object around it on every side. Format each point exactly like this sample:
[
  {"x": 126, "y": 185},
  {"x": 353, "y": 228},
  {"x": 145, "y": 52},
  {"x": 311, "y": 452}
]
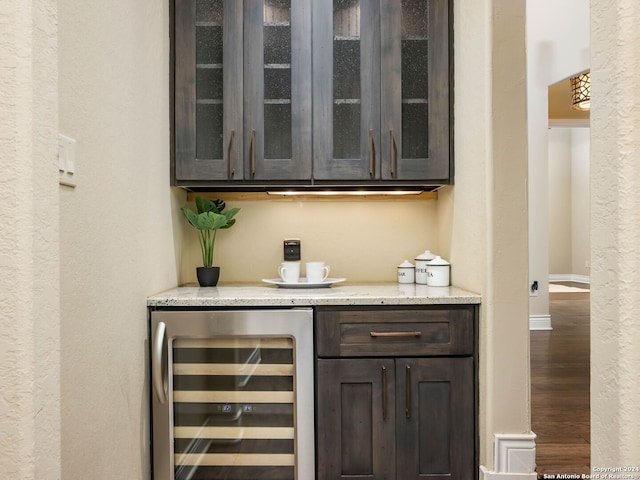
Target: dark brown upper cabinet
[{"x": 286, "y": 93}]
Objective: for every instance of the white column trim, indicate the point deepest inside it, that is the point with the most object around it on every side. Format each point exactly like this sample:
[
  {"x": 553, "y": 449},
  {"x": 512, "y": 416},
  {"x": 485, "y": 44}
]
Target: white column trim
[
  {"x": 569, "y": 277},
  {"x": 514, "y": 457}
]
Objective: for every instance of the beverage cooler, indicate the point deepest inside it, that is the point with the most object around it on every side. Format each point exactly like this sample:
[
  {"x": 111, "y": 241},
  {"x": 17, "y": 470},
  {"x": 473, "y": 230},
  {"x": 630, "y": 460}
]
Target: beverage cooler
[{"x": 232, "y": 394}]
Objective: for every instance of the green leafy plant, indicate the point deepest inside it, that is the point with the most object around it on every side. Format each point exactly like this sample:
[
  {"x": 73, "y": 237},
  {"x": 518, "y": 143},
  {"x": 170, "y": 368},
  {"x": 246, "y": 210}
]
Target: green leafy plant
[{"x": 210, "y": 218}]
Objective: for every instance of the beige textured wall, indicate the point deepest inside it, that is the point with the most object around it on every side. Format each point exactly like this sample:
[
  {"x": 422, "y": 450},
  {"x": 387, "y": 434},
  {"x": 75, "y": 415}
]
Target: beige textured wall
[
  {"x": 362, "y": 241},
  {"x": 615, "y": 233},
  {"x": 29, "y": 309},
  {"x": 560, "y": 201},
  {"x": 118, "y": 243},
  {"x": 568, "y": 189},
  {"x": 580, "y": 201},
  {"x": 483, "y": 218}
]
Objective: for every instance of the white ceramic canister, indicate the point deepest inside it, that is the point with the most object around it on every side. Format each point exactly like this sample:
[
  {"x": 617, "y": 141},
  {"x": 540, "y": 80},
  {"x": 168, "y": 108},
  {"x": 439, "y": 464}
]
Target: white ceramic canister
[
  {"x": 421, "y": 266},
  {"x": 406, "y": 272},
  {"x": 438, "y": 272}
]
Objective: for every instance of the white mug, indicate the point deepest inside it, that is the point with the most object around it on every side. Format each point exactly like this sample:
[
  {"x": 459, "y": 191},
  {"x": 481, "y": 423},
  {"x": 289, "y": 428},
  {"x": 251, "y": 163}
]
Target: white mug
[
  {"x": 289, "y": 272},
  {"x": 317, "y": 272}
]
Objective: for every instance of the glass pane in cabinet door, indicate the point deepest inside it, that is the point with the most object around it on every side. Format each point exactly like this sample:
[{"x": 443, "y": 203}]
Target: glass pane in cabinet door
[
  {"x": 277, "y": 79},
  {"x": 234, "y": 408},
  {"x": 346, "y": 79},
  {"x": 209, "y": 80},
  {"x": 346, "y": 130},
  {"x": 415, "y": 16}
]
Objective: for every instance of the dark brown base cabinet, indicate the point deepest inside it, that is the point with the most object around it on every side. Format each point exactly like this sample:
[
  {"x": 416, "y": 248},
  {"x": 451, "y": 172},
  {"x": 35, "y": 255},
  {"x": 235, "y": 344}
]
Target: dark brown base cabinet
[{"x": 398, "y": 398}]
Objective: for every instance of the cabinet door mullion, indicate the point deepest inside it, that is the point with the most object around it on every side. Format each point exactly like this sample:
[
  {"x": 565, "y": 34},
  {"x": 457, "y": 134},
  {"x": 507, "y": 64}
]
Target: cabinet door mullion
[
  {"x": 233, "y": 89},
  {"x": 253, "y": 89},
  {"x": 391, "y": 78}
]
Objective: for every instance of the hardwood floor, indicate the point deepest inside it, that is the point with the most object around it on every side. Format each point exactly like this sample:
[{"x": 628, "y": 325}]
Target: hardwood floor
[{"x": 560, "y": 363}]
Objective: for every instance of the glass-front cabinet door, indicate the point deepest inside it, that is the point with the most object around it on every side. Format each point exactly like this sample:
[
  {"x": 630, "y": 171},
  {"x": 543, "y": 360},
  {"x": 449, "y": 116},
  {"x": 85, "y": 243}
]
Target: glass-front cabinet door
[
  {"x": 346, "y": 90},
  {"x": 242, "y": 90},
  {"x": 415, "y": 116},
  {"x": 208, "y": 96},
  {"x": 277, "y": 84}
]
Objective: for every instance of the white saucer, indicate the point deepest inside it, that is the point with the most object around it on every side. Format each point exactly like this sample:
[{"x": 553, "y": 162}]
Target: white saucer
[{"x": 303, "y": 283}]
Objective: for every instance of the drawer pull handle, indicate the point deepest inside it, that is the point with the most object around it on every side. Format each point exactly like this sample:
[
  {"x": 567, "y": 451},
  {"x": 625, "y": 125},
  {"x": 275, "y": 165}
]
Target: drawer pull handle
[
  {"x": 395, "y": 334},
  {"x": 408, "y": 393},
  {"x": 384, "y": 393}
]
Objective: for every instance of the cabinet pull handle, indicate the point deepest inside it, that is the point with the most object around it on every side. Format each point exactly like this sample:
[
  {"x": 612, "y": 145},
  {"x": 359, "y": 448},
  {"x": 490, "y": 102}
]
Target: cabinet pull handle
[
  {"x": 159, "y": 379},
  {"x": 384, "y": 393},
  {"x": 232, "y": 154},
  {"x": 372, "y": 154},
  {"x": 393, "y": 154},
  {"x": 408, "y": 392},
  {"x": 252, "y": 153},
  {"x": 395, "y": 334}
]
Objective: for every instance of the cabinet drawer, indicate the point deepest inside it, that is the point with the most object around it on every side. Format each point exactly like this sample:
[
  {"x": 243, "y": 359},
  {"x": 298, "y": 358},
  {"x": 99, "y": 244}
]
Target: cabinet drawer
[{"x": 395, "y": 331}]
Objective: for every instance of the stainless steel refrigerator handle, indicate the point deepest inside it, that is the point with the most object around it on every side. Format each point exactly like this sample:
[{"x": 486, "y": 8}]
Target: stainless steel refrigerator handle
[{"x": 159, "y": 384}]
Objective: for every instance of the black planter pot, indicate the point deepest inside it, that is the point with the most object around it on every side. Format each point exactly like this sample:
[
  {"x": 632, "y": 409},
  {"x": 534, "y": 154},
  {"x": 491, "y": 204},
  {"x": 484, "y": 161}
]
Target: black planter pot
[{"x": 208, "y": 276}]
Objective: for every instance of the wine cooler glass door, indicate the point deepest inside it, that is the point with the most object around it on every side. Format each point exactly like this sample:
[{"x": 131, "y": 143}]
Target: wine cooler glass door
[{"x": 238, "y": 395}]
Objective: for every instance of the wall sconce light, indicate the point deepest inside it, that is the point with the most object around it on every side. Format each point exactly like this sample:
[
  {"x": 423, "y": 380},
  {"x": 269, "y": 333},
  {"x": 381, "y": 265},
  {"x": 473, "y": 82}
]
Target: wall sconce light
[{"x": 581, "y": 91}]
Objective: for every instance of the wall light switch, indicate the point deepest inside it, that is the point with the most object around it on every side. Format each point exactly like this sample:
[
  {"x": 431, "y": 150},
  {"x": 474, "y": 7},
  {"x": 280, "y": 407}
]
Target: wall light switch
[{"x": 66, "y": 160}]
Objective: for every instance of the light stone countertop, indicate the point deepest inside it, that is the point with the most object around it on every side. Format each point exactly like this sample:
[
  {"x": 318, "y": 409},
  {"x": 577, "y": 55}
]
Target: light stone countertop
[{"x": 262, "y": 295}]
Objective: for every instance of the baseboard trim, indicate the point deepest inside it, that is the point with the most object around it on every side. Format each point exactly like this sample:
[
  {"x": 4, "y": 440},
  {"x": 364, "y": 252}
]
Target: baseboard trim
[
  {"x": 487, "y": 475},
  {"x": 540, "y": 322},
  {"x": 569, "y": 277},
  {"x": 514, "y": 458}
]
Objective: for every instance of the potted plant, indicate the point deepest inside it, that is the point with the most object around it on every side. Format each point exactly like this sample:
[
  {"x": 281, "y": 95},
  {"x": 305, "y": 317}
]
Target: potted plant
[{"x": 210, "y": 218}]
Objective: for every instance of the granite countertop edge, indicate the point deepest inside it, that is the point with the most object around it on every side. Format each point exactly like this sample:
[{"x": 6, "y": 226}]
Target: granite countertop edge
[{"x": 262, "y": 295}]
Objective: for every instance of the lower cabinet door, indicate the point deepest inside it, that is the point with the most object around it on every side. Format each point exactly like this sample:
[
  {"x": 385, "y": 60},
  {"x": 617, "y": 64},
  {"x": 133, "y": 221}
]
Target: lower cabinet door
[
  {"x": 435, "y": 422},
  {"x": 356, "y": 415}
]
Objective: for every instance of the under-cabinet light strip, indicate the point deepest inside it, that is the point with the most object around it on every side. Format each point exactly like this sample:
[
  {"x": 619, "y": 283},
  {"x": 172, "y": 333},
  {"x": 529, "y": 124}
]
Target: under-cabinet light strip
[{"x": 328, "y": 193}]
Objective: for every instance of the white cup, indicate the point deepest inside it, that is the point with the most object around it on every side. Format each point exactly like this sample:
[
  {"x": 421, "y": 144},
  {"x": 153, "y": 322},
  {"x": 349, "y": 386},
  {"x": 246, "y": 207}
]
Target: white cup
[
  {"x": 289, "y": 272},
  {"x": 317, "y": 272}
]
